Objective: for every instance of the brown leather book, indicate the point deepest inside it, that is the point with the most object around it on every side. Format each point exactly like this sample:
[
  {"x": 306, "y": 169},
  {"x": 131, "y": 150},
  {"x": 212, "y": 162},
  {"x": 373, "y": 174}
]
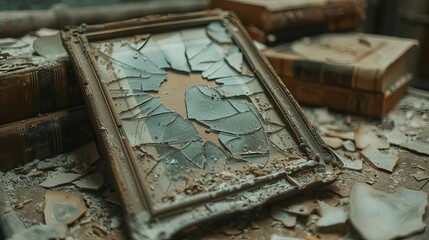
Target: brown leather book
[
  {"x": 44, "y": 136},
  {"x": 364, "y": 103},
  {"x": 285, "y": 14},
  {"x": 350, "y": 60},
  {"x": 35, "y": 80}
]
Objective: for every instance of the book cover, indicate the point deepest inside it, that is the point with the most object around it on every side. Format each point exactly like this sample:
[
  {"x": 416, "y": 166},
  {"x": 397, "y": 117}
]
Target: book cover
[
  {"x": 352, "y": 60},
  {"x": 44, "y": 136},
  {"x": 364, "y": 103},
  {"x": 276, "y": 37},
  {"x": 35, "y": 77},
  {"x": 274, "y": 15}
]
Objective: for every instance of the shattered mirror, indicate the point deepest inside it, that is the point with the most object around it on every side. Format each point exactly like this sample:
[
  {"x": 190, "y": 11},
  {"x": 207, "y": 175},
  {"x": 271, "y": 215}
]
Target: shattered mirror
[{"x": 194, "y": 122}]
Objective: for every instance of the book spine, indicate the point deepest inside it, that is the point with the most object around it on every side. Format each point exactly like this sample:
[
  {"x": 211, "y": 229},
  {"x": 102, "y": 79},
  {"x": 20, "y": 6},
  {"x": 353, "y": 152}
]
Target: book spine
[
  {"x": 339, "y": 15},
  {"x": 311, "y": 71},
  {"x": 365, "y": 103},
  {"x": 42, "y": 137},
  {"x": 26, "y": 93}
]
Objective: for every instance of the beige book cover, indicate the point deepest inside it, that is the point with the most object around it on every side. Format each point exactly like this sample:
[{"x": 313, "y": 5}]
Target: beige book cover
[{"x": 357, "y": 60}]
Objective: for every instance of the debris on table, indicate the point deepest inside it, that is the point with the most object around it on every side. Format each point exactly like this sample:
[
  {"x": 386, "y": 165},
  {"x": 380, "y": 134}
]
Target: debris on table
[
  {"x": 42, "y": 232},
  {"x": 63, "y": 207},
  {"x": 380, "y": 160},
  {"x": 86, "y": 208},
  {"x": 58, "y": 179},
  {"x": 365, "y": 137},
  {"x": 287, "y": 219},
  {"x": 92, "y": 181},
  {"x": 331, "y": 215}
]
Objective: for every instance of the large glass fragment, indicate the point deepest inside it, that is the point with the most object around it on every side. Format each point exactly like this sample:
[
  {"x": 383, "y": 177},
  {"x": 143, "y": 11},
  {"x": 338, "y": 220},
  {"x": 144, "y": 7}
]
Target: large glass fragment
[{"x": 199, "y": 129}]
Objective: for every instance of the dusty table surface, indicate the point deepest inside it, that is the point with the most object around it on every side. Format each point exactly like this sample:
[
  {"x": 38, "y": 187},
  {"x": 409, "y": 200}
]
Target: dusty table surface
[{"x": 296, "y": 217}]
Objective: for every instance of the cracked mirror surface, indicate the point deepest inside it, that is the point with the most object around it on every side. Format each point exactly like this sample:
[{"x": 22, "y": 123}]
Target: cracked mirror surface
[{"x": 198, "y": 119}]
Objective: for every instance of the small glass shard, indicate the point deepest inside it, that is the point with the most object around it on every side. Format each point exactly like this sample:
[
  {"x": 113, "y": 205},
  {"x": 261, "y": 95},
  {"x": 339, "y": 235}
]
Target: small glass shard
[
  {"x": 242, "y": 146},
  {"x": 219, "y": 69},
  {"x": 195, "y": 40},
  {"x": 139, "y": 84},
  {"x": 139, "y": 40},
  {"x": 401, "y": 212},
  {"x": 205, "y": 58},
  {"x": 167, "y": 127},
  {"x": 287, "y": 219},
  {"x": 331, "y": 215},
  {"x": 127, "y": 103},
  {"x": 239, "y": 123},
  {"x": 152, "y": 52},
  {"x": 364, "y": 137},
  {"x": 234, "y": 80},
  {"x": 203, "y": 154},
  {"x": 204, "y": 103},
  {"x": 142, "y": 110},
  {"x": 235, "y": 60},
  {"x": 174, "y": 49},
  {"x": 380, "y": 160},
  {"x": 281, "y": 139},
  {"x": 130, "y": 58},
  {"x": 63, "y": 207},
  {"x": 218, "y": 33},
  {"x": 246, "y": 89}
]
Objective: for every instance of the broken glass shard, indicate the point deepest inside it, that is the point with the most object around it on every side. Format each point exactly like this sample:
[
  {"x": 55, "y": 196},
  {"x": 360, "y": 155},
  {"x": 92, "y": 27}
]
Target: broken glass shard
[
  {"x": 234, "y": 80},
  {"x": 131, "y": 60},
  {"x": 235, "y": 60},
  {"x": 218, "y": 33},
  {"x": 249, "y": 144},
  {"x": 200, "y": 50},
  {"x": 281, "y": 139},
  {"x": 364, "y": 136},
  {"x": 147, "y": 83},
  {"x": 331, "y": 215},
  {"x": 63, "y": 207},
  {"x": 202, "y": 154},
  {"x": 245, "y": 89},
  {"x": 143, "y": 110},
  {"x": 287, "y": 219},
  {"x": 172, "y": 46},
  {"x": 380, "y": 160},
  {"x": 123, "y": 104},
  {"x": 204, "y": 103},
  {"x": 42, "y": 232},
  {"x": 239, "y": 123},
  {"x": 195, "y": 41},
  {"x": 152, "y": 52},
  {"x": 167, "y": 127},
  {"x": 139, "y": 40},
  {"x": 205, "y": 58},
  {"x": 380, "y": 215},
  {"x": 219, "y": 69}
]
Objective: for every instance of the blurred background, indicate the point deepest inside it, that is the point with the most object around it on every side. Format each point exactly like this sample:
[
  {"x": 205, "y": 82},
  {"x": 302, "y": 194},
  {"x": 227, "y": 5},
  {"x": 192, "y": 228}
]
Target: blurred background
[{"x": 402, "y": 18}]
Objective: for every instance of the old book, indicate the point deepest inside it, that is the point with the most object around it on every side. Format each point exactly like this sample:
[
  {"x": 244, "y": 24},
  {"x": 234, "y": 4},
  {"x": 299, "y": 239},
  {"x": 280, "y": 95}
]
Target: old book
[
  {"x": 44, "y": 136},
  {"x": 274, "y": 15},
  {"x": 276, "y": 37},
  {"x": 35, "y": 80},
  {"x": 370, "y": 104},
  {"x": 350, "y": 60},
  {"x": 189, "y": 95}
]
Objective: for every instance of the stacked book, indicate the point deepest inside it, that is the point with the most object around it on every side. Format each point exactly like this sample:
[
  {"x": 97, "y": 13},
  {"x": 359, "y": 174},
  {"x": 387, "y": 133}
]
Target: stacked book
[
  {"x": 351, "y": 72},
  {"x": 321, "y": 62},
  {"x": 41, "y": 107},
  {"x": 276, "y": 21}
]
